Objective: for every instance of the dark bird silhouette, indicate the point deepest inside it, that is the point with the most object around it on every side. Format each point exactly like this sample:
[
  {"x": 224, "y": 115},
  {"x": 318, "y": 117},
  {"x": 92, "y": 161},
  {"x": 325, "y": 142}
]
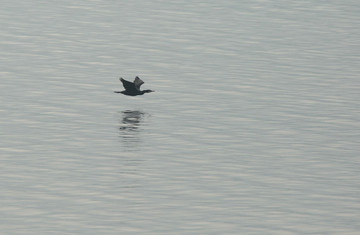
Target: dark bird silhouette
[{"x": 133, "y": 88}]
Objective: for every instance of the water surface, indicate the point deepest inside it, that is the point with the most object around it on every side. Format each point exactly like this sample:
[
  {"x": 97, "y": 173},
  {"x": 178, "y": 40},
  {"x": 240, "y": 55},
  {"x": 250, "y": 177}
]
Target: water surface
[{"x": 253, "y": 128}]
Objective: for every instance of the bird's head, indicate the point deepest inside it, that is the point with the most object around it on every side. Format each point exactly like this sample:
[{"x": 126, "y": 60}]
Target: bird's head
[{"x": 147, "y": 91}]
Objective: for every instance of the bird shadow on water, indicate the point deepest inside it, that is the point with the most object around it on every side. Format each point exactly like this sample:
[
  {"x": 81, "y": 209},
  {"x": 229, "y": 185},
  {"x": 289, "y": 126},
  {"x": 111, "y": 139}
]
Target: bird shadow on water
[{"x": 130, "y": 129}]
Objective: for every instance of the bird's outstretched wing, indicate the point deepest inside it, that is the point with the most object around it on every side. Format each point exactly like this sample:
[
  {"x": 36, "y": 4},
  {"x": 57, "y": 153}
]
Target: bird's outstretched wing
[
  {"x": 129, "y": 86},
  {"x": 138, "y": 82}
]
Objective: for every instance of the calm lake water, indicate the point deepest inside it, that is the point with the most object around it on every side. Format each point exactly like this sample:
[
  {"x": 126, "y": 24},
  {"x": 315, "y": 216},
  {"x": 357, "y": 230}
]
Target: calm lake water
[{"x": 253, "y": 128}]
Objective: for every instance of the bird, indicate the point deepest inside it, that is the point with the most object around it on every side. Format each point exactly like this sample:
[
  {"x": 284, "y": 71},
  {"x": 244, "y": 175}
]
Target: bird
[{"x": 133, "y": 88}]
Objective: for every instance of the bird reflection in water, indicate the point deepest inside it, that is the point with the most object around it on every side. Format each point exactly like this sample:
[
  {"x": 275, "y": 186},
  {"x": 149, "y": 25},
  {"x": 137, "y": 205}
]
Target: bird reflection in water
[{"x": 130, "y": 129}]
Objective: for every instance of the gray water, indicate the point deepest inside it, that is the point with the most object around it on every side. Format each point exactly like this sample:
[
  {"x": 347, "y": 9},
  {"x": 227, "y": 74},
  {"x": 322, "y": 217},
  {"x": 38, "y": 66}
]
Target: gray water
[{"x": 253, "y": 127}]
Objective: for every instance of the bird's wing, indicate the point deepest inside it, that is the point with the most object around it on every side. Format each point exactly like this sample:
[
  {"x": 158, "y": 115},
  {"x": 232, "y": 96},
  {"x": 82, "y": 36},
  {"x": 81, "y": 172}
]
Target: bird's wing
[
  {"x": 138, "y": 82},
  {"x": 129, "y": 86}
]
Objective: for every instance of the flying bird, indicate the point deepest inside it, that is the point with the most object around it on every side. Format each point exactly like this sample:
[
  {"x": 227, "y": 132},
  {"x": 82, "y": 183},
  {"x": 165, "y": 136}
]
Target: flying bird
[{"x": 133, "y": 88}]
